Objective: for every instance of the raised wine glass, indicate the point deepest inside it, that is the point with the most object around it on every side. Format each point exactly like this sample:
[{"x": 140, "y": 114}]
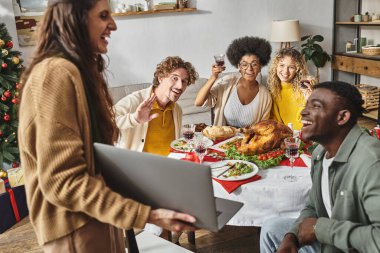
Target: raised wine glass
[
  {"x": 219, "y": 60},
  {"x": 292, "y": 145},
  {"x": 200, "y": 146},
  {"x": 188, "y": 131}
]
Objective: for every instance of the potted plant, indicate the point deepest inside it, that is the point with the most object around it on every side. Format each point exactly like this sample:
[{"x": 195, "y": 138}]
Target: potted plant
[
  {"x": 365, "y": 17},
  {"x": 312, "y": 51}
]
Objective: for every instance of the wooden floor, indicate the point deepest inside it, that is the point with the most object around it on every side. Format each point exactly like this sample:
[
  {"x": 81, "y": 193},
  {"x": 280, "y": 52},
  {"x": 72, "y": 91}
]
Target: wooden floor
[
  {"x": 21, "y": 238},
  {"x": 230, "y": 239}
]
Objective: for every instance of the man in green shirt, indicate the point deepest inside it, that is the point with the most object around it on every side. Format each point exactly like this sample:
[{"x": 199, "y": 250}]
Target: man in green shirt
[{"x": 342, "y": 213}]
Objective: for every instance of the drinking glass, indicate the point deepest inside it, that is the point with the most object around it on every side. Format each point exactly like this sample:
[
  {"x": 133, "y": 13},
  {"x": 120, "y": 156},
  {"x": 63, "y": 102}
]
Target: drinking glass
[
  {"x": 219, "y": 59},
  {"x": 188, "y": 133},
  {"x": 200, "y": 146},
  {"x": 292, "y": 145}
]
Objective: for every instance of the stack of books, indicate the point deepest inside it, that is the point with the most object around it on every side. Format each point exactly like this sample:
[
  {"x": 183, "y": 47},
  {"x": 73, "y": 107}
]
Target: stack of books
[{"x": 165, "y": 6}]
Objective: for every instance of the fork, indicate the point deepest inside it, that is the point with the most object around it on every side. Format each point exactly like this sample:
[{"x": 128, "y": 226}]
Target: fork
[{"x": 224, "y": 171}]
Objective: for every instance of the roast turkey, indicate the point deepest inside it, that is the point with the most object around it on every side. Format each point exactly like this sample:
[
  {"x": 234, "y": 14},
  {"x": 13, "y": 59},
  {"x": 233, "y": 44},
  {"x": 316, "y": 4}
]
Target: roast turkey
[{"x": 263, "y": 137}]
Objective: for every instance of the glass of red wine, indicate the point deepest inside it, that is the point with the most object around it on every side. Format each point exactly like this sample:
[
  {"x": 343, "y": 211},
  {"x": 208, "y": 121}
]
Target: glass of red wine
[
  {"x": 292, "y": 145},
  {"x": 200, "y": 146},
  {"x": 219, "y": 60},
  {"x": 188, "y": 131}
]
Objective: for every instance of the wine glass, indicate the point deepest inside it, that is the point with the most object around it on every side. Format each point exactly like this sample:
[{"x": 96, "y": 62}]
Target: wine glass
[
  {"x": 200, "y": 146},
  {"x": 219, "y": 60},
  {"x": 188, "y": 131},
  {"x": 292, "y": 145}
]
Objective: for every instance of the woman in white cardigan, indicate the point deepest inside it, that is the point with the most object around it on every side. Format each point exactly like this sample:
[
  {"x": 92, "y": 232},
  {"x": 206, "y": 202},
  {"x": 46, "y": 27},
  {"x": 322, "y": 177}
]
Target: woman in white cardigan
[{"x": 238, "y": 99}]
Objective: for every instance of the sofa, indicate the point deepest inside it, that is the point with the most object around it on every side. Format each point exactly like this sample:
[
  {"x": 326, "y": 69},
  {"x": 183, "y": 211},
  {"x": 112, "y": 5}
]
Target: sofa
[{"x": 191, "y": 113}]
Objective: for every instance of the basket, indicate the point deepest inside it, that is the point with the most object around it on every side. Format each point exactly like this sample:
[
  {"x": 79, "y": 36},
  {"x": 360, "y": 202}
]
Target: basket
[
  {"x": 371, "y": 50},
  {"x": 370, "y": 95}
]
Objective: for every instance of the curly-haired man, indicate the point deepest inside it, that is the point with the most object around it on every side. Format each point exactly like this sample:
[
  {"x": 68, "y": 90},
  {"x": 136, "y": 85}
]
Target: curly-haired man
[
  {"x": 238, "y": 99},
  {"x": 149, "y": 119}
]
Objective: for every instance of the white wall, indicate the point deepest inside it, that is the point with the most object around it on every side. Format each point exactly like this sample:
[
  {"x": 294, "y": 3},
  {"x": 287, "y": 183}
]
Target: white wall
[{"x": 144, "y": 40}]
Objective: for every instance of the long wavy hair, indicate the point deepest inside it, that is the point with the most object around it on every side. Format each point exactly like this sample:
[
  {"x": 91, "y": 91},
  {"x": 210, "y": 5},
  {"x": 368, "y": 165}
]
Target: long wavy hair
[
  {"x": 274, "y": 83},
  {"x": 63, "y": 33}
]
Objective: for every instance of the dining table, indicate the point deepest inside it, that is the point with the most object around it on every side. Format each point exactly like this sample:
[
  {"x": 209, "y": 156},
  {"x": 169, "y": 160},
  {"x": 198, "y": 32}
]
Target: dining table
[
  {"x": 271, "y": 196},
  {"x": 266, "y": 196}
]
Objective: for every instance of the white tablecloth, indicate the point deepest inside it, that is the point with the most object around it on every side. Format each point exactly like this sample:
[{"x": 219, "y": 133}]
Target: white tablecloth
[{"x": 270, "y": 196}]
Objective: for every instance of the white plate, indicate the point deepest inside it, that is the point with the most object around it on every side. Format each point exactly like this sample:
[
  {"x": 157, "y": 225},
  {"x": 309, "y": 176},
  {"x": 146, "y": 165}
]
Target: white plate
[
  {"x": 181, "y": 145},
  {"x": 218, "y": 146},
  {"x": 218, "y": 169}
]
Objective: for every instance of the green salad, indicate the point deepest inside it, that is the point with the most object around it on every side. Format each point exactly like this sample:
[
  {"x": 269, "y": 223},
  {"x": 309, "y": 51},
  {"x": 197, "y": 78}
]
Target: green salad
[
  {"x": 239, "y": 169},
  {"x": 233, "y": 153}
]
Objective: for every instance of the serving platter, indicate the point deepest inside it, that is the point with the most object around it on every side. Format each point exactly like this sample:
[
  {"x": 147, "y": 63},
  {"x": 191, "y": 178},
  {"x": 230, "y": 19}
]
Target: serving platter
[{"x": 224, "y": 145}]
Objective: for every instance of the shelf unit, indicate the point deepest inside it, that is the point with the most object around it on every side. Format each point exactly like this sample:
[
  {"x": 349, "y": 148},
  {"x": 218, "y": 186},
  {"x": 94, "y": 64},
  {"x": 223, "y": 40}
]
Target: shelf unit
[
  {"x": 152, "y": 12},
  {"x": 349, "y": 67}
]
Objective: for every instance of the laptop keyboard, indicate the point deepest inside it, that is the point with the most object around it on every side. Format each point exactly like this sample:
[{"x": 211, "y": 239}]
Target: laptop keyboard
[{"x": 218, "y": 213}]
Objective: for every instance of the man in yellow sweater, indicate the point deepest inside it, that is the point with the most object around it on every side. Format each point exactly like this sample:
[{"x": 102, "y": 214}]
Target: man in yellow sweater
[{"x": 149, "y": 119}]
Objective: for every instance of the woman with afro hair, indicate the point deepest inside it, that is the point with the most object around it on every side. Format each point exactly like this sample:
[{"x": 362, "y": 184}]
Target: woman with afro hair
[
  {"x": 289, "y": 85},
  {"x": 238, "y": 99}
]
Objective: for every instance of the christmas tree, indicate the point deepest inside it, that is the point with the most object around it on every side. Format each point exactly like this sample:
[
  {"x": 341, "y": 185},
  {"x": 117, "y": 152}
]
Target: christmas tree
[{"x": 10, "y": 70}]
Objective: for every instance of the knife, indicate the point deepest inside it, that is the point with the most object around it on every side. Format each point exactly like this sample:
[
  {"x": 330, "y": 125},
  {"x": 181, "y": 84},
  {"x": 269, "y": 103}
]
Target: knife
[{"x": 224, "y": 171}]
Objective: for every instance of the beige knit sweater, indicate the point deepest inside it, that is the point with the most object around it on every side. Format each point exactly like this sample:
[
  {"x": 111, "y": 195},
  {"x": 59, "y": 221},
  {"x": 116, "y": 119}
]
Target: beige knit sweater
[{"x": 63, "y": 192}]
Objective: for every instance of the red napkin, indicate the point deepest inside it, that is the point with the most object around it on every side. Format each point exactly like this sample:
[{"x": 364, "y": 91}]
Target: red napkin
[
  {"x": 231, "y": 186},
  {"x": 298, "y": 162}
]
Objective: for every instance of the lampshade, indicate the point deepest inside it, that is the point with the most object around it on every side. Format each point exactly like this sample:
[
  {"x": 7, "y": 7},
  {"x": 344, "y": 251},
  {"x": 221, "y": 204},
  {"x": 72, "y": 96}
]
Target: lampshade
[{"x": 285, "y": 31}]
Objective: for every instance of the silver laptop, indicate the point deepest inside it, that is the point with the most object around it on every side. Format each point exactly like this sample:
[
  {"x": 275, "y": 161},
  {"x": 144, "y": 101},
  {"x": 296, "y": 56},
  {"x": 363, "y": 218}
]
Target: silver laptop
[{"x": 163, "y": 182}]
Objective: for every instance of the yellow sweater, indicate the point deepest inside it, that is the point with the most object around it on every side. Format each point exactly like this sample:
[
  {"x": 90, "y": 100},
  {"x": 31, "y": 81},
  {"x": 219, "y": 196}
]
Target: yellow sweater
[
  {"x": 161, "y": 131},
  {"x": 287, "y": 107},
  {"x": 63, "y": 192}
]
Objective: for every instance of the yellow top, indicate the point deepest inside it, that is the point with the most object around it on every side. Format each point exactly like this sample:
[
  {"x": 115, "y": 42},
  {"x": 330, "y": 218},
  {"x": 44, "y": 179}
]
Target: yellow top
[
  {"x": 288, "y": 106},
  {"x": 161, "y": 131}
]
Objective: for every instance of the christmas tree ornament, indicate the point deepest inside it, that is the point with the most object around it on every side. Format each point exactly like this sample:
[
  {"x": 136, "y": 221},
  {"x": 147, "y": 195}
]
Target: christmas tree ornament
[
  {"x": 4, "y": 52},
  {"x": 9, "y": 44},
  {"x": 15, "y": 60},
  {"x": 7, "y": 93},
  {"x": 3, "y": 174},
  {"x": 10, "y": 71},
  {"x": 15, "y": 164}
]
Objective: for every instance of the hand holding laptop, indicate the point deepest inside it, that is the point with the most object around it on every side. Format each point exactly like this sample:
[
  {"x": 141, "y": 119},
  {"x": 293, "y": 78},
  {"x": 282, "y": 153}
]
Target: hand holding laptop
[{"x": 171, "y": 220}]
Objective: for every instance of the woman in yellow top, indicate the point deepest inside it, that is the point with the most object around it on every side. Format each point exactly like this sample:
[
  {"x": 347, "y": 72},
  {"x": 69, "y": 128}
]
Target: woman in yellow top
[{"x": 289, "y": 85}]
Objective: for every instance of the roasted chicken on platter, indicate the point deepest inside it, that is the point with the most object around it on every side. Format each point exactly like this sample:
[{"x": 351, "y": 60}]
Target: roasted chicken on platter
[{"x": 263, "y": 137}]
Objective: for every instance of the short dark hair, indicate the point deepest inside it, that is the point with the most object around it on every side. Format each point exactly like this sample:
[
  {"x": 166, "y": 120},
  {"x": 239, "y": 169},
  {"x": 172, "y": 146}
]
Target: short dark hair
[
  {"x": 249, "y": 46},
  {"x": 352, "y": 99}
]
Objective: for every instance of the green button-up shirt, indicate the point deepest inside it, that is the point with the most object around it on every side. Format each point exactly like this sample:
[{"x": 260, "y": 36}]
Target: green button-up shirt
[{"x": 354, "y": 185}]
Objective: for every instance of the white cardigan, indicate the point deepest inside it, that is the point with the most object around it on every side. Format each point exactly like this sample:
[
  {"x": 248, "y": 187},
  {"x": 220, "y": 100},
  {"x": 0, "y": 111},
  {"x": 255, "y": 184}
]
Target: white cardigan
[{"x": 132, "y": 133}]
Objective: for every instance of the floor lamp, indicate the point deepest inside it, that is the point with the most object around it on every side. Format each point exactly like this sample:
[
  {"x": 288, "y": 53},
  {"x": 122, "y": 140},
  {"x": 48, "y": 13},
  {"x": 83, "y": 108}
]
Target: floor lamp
[{"x": 285, "y": 31}]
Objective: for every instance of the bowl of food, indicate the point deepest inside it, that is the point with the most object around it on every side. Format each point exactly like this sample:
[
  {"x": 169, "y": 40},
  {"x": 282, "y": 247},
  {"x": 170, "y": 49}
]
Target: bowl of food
[{"x": 219, "y": 133}]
